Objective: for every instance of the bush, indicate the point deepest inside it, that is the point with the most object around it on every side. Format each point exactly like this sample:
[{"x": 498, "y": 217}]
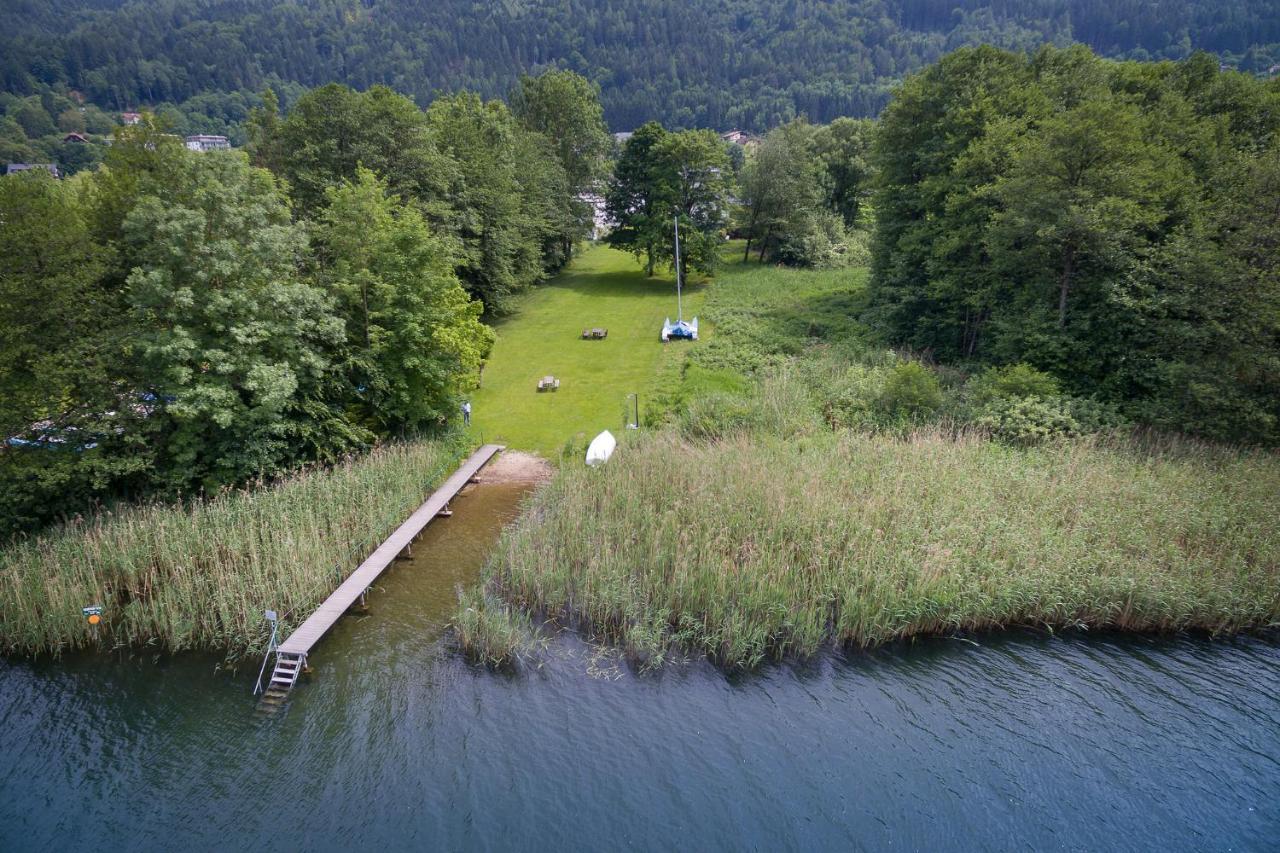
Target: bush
[
  {"x": 1012, "y": 380},
  {"x": 911, "y": 391},
  {"x": 851, "y": 398},
  {"x": 826, "y": 244},
  {"x": 1027, "y": 421},
  {"x": 1093, "y": 415}
]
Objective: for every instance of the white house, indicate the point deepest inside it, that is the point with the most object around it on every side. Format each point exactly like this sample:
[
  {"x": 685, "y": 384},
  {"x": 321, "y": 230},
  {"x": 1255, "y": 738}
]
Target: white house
[{"x": 205, "y": 142}]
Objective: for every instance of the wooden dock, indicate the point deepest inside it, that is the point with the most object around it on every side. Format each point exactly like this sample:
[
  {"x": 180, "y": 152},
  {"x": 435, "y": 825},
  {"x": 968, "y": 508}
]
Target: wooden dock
[{"x": 291, "y": 657}]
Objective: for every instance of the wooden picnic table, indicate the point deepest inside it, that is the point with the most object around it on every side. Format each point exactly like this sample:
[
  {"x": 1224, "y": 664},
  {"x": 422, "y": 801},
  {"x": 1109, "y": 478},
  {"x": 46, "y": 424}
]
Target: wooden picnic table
[{"x": 548, "y": 383}]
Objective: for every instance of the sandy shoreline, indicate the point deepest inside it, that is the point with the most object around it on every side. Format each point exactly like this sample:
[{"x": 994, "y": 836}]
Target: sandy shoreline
[{"x": 516, "y": 466}]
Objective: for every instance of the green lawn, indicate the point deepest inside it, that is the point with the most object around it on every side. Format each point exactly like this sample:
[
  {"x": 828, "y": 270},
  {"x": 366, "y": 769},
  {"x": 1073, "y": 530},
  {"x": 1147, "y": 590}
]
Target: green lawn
[{"x": 603, "y": 287}]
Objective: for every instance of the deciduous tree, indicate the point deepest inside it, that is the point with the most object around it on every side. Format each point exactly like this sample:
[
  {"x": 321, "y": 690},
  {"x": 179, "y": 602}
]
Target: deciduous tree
[{"x": 413, "y": 337}]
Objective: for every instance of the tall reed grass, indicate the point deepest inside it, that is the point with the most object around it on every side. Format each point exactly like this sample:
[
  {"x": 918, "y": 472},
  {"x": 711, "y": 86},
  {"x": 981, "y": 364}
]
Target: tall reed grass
[
  {"x": 200, "y": 576},
  {"x": 755, "y": 547}
]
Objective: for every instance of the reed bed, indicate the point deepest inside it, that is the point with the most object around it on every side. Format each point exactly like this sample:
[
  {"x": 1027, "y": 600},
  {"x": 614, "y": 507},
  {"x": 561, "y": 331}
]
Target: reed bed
[
  {"x": 199, "y": 576},
  {"x": 759, "y": 547}
]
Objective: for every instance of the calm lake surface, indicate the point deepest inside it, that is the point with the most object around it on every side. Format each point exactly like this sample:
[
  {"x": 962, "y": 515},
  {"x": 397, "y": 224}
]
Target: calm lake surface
[{"x": 1014, "y": 743}]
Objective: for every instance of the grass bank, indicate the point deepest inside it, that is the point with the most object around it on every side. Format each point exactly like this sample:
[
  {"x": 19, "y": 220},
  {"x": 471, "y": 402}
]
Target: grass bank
[
  {"x": 199, "y": 577},
  {"x": 603, "y": 288},
  {"x": 759, "y": 547}
]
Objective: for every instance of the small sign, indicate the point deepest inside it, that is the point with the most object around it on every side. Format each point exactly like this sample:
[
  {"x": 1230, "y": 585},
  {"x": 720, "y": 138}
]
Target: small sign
[
  {"x": 271, "y": 615},
  {"x": 93, "y": 613}
]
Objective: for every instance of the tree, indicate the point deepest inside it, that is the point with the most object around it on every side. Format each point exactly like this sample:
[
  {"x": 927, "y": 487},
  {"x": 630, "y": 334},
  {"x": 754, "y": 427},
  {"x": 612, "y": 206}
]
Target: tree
[
  {"x": 1079, "y": 192},
  {"x": 141, "y": 158},
  {"x": 413, "y": 337},
  {"x": 1208, "y": 301},
  {"x": 781, "y": 186},
  {"x": 565, "y": 108},
  {"x": 661, "y": 176},
  {"x": 704, "y": 63},
  {"x": 63, "y": 393},
  {"x": 938, "y": 149},
  {"x": 333, "y": 130},
  {"x": 264, "y": 137},
  {"x": 235, "y": 348},
  {"x": 553, "y": 213},
  {"x": 56, "y": 324},
  {"x": 694, "y": 181},
  {"x": 633, "y": 199},
  {"x": 501, "y": 250},
  {"x": 1111, "y": 224},
  {"x": 34, "y": 120},
  {"x": 844, "y": 149}
]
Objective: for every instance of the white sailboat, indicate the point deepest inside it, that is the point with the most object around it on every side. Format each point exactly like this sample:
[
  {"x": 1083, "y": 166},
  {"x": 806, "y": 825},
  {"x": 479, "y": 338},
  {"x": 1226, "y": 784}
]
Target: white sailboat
[{"x": 602, "y": 447}]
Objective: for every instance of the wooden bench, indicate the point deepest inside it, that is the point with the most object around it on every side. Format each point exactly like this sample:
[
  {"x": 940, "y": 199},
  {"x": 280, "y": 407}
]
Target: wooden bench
[
  {"x": 594, "y": 334},
  {"x": 548, "y": 383}
]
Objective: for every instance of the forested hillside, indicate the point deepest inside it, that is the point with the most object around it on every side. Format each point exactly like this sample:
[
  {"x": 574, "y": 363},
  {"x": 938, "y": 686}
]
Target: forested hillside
[{"x": 688, "y": 63}]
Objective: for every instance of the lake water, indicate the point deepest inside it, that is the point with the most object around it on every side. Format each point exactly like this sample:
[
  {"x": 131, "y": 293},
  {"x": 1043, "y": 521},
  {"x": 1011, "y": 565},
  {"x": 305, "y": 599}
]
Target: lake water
[{"x": 1020, "y": 742}]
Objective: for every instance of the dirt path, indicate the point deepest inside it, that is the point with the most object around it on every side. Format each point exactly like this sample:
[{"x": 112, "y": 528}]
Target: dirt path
[{"x": 516, "y": 466}]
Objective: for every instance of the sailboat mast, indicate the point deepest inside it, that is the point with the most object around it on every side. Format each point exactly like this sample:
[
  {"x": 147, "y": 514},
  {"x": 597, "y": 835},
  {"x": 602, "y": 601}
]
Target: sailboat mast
[{"x": 679, "y": 300}]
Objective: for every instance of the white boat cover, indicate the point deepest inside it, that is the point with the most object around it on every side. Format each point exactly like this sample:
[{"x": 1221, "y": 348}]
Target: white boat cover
[
  {"x": 601, "y": 448},
  {"x": 680, "y": 329}
]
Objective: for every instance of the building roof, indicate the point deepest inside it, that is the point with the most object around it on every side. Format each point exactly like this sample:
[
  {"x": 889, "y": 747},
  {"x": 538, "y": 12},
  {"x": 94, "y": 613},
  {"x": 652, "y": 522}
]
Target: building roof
[
  {"x": 51, "y": 168},
  {"x": 75, "y": 137}
]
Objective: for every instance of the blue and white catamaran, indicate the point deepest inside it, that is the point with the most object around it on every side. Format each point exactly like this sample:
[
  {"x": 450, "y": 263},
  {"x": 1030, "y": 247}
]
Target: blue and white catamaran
[{"x": 680, "y": 329}]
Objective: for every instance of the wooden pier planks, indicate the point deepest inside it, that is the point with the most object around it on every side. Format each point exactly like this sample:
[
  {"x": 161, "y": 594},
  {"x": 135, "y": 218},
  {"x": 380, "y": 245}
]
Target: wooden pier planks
[{"x": 318, "y": 623}]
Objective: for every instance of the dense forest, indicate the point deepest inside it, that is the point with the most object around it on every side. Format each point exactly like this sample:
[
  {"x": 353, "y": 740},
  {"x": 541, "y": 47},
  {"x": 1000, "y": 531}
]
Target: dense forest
[
  {"x": 746, "y": 63},
  {"x": 1113, "y": 224}
]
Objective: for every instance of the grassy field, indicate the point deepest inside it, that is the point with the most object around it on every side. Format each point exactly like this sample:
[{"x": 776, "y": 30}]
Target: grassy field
[
  {"x": 758, "y": 547},
  {"x": 199, "y": 577},
  {"x": 755, "y": 524},
  {"x": 602, "y": 288}
]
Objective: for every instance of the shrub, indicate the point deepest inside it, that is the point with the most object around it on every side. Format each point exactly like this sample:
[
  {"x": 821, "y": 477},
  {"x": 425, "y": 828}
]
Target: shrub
[
  {"x": 1094, "y": 415},
  {"x": 826, "y": 244},
  {"x": 911, "y": 391},
  {"x": 851, "y": 399},
  {"x": 1012, "y": 380},
  {"x": 1027, "y": 420}
]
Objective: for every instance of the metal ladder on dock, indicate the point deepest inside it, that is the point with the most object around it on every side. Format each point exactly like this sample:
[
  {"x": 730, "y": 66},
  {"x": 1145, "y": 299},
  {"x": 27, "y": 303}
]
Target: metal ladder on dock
[{"x": 289, "y": 665}]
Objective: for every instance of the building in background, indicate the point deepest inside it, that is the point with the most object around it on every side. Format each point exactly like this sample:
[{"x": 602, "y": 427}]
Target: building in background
[
  {"x": 13, "y": 168},
  {"x": 205, "y": 142}
]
